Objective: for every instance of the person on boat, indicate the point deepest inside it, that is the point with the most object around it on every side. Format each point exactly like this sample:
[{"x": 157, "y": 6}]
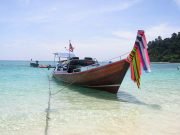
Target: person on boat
[{"x": 59, "y": 66}]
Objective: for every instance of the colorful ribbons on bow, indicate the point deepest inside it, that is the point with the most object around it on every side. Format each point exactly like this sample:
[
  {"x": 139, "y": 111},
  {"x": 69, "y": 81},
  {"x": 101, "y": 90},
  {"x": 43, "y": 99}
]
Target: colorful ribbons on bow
[{"x": 139, "y": 57}]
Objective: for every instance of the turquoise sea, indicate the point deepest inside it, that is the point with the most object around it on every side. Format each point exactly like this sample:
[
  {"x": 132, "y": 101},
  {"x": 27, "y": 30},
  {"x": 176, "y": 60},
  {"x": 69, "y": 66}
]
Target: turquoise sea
[{"x": 152, "y": 110}]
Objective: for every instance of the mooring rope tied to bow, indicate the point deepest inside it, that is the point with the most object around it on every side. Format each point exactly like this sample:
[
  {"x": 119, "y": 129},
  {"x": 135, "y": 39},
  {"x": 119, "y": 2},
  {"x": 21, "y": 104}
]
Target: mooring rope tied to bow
[
  {"x": 49, "y": 103},
  {"x": 50, "y": 95},
  {"x": 48, "y": 109},
  {"x": 62, "y": 89}
]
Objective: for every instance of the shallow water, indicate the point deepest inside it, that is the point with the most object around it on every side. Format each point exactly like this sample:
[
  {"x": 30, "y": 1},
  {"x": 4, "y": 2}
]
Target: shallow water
[{"x": 152, "y": 110}]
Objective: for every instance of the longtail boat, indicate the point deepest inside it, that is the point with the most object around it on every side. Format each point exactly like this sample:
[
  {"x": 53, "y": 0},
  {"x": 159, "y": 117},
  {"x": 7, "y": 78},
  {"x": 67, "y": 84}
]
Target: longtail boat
[
  {"x": 108, "y": 76},
  {"x": 34, "y": 64}
]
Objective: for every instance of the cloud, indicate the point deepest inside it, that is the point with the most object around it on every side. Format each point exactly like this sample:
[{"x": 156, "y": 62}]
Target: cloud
[
  {"x": 99, "y": 9},
  {"x": 68, "y": 11},
  {"x": 123, "y": 5},
  {"x": 126, "y": 35},
  {"x": 177, "y": 2},
  {"x": 24, "y": 2},
  {"x": 164, "y": 30},
  {"x": 37, "y": 18},
  {"x": 42, "y": 16}
]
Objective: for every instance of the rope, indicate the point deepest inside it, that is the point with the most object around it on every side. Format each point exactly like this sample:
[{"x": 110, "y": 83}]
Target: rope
[
  {"x": 116, "y": 57},
  {"x": 62, "y": 88},
  {"x": 48, "y": 110},
  {"x": 50, "y": 95},
  {"x": 49, "y": 104}
]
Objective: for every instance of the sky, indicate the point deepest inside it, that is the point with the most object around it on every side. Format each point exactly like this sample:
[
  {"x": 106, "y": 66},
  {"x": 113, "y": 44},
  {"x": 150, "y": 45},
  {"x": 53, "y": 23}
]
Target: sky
[{"x": 101, "y": 29}]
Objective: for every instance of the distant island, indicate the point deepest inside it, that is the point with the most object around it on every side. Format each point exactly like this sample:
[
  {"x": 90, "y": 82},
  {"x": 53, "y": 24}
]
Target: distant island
[{"x": 165, "y": 50}]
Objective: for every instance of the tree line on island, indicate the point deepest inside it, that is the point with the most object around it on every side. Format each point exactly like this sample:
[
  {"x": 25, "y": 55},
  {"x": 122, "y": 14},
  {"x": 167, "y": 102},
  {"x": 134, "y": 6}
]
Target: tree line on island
[{"x": 165, "y": 50}]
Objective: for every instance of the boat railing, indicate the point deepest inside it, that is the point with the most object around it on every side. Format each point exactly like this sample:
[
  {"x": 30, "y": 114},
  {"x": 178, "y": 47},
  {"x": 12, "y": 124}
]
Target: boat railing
[
  {"x": 124, "y": 55},
  {"x": 98, "y": 64}
]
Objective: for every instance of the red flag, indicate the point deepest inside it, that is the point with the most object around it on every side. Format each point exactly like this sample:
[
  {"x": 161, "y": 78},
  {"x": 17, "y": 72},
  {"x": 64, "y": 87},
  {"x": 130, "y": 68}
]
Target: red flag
[{"x": 71, "y": 48}]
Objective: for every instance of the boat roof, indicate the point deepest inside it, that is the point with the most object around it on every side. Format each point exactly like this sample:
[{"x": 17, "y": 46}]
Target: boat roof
[{"x": 64, "y": 55}]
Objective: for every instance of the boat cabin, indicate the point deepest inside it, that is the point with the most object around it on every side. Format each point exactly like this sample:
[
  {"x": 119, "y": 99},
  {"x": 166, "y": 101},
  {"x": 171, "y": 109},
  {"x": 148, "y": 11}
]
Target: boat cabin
[{"x": 68, "y": 62}]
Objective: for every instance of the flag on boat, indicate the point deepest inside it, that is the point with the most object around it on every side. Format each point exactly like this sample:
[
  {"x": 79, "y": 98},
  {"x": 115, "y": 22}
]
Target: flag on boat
[
  {"x": 139, "y": 58},
  {"x": 71, "y": 48}
]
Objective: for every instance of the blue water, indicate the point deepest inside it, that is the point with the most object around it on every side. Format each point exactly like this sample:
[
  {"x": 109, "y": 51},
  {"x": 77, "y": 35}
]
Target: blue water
[{"x": 152, "y": 110}]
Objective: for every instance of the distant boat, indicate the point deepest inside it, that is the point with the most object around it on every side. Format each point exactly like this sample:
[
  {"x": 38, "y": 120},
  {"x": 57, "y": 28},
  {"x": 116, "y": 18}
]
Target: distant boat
[
  {"x": 46, "y": 66},
  {"x": 108, "y": 76},
  {"x": 34, "y": 64}
]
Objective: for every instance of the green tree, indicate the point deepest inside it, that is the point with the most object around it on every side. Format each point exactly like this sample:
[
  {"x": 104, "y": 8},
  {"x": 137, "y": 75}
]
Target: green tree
[{"x": 166, "y": 50}]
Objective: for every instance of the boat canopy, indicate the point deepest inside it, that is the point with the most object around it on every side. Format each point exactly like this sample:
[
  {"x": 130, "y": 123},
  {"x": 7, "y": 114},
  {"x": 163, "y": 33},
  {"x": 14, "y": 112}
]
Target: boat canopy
[{"x": 64, "y": 55}]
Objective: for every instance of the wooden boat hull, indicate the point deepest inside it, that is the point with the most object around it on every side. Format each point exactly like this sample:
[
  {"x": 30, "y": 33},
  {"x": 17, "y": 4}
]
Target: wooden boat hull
[{"x": 106, "y": 78}]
